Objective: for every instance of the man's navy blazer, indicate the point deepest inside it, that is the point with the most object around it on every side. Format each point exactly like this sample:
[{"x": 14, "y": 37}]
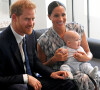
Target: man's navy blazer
[{"x": 11, "y": 64}]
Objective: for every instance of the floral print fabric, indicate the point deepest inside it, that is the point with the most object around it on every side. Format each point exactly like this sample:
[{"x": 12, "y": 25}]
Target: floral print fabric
[{"x": 50, "y": 41}]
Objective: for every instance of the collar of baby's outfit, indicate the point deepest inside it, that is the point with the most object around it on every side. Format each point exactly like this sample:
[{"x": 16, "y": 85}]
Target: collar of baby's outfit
[{"x": 17, "y": 36}]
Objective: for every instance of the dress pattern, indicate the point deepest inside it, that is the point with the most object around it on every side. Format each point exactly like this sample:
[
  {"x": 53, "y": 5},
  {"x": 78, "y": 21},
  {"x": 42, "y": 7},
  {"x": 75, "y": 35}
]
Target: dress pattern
[{"x": 50, "y": 41}]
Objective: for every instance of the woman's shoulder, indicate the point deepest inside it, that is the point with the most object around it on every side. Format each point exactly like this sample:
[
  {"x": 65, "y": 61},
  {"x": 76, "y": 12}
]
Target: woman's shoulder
[
  {"x": 45, "y": 35},
  {"x": 75, "y": 26}
]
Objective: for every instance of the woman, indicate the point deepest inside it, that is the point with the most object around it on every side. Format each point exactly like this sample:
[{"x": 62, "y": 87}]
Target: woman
[{"x": 49, "y": 43}]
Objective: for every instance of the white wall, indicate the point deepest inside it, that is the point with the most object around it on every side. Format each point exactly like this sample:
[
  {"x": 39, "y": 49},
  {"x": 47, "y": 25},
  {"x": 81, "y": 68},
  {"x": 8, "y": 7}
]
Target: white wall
[
  {"x": 69, "y": 10},
  {"x": 40, "y": 20}
]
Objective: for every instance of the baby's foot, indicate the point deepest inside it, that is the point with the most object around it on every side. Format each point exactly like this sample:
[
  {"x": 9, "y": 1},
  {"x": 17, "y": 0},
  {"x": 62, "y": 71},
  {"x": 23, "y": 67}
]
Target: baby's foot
[{"x": 93, "y": 73}]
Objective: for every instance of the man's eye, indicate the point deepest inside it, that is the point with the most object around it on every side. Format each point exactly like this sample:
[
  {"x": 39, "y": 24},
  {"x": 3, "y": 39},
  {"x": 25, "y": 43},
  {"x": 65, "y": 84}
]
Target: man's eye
[
  {"x": 26, "y": 19},
  {"x": 63, "y": 14}
]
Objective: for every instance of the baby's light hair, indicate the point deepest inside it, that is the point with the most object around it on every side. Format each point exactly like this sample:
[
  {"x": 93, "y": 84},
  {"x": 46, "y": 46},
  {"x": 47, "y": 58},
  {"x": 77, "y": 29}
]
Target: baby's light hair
[{"x": 69, "y": 35}]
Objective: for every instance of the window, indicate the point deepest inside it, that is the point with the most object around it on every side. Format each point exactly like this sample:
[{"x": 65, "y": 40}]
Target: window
[
  {"x": 94, "y": 16},
  {"x": 86, "y": 12},
  {"x": 80, "y": 13}
]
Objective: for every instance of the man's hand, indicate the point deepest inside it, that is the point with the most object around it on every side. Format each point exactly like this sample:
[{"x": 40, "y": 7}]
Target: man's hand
[
  {"x": 36, "y": 84},
  {"x": 59, "y": 75}
]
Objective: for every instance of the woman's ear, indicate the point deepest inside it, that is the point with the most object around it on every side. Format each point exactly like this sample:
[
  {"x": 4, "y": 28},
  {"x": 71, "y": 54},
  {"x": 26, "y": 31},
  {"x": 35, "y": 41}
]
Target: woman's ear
[{"x": 49, "y": 17}]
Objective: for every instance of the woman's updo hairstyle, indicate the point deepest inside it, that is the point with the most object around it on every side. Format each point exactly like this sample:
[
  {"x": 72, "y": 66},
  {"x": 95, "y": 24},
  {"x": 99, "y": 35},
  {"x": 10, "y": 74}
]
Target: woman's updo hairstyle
[{"x": 53, "y": 5}]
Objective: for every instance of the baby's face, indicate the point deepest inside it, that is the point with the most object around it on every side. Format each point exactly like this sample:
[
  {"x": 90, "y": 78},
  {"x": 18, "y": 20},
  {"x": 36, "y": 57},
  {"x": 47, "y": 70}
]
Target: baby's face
[{"x": 75, "y": 42}]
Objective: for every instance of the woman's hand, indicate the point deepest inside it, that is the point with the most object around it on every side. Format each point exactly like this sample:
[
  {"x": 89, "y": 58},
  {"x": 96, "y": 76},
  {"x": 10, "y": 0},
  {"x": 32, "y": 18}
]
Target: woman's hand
[
  {"x": 81, "y": 56},
  {"x": 36, "y": 84},
  {"x": 59, "y": 75},
  {"x": 61, "y": 54}
]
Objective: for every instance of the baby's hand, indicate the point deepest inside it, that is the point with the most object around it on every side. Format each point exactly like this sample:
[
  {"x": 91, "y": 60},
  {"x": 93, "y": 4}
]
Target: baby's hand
[
  {"x": 63, "y": 51},
  {"x": 70, "y": 75}
]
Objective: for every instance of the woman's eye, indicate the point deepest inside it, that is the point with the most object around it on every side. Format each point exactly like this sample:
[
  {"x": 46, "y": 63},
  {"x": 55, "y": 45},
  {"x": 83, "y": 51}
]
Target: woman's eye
[
  {"x": 32, "y": 19},
  {"x": 56, "y": 15}
]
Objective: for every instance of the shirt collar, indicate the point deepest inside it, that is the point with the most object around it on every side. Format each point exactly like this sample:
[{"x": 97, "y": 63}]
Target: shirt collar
[{"x": 17, "y": 36}]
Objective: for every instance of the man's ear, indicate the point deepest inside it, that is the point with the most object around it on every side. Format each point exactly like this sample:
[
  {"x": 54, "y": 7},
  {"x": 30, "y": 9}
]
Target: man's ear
[{"x": 14, "y": 17}]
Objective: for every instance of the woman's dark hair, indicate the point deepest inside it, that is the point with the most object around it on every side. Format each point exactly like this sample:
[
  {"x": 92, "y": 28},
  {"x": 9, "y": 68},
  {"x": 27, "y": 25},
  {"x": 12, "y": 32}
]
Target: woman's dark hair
[{"x": 53, "y": 5}]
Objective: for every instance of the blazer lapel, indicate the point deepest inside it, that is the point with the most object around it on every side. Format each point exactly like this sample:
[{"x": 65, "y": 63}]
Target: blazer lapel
[
  {"x": 15, "y": 49},
  {"x": 17, "y": 55}
]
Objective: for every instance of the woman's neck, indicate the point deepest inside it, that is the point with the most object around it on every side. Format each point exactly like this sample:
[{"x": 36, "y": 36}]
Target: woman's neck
[{"x": 60, "y": 31}]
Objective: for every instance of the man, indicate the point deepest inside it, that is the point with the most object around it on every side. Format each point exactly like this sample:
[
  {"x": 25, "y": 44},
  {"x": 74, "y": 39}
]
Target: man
[{"x": 13, "y": 67}]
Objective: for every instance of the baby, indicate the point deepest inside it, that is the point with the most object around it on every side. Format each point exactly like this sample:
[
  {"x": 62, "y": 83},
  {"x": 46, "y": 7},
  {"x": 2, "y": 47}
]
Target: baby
[{"x": 72, "y": 66}]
